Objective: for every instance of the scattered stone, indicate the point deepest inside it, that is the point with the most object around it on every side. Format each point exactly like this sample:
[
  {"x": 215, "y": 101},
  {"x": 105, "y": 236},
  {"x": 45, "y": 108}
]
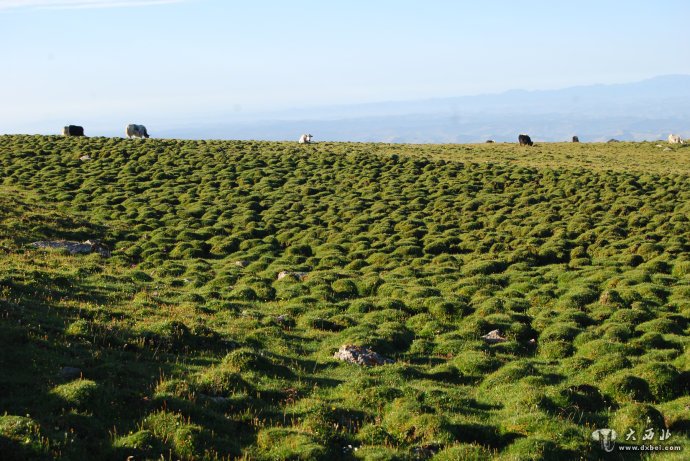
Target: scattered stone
[
  {"x": 659, "y": 145},
  {"x": 241, "y": 263},
  {"x": 71, "y": 247},
  {"x": 494, "y": 336},
  {"x": 360, "y": 356},
  {"x": 532, "y": 341},
  {"x": 85, "y": 157},
  {"x": 609, "y": 297},
  {"x": 215, "y": 399},
  {"x": 298, "y": 275},
  {"x": 667, "y": 149},
  {"x": 605, "y": 297},
  {"x": 98, "y": 247},
  {"x": 284, "y": 320},
  {"x": 69, "y": 373},
  {"x": 425, "y": 451},
  {"x": 349, "y": 449},
  {"x": 251, "y": 314},
  {"x": 88, "y": 246}
]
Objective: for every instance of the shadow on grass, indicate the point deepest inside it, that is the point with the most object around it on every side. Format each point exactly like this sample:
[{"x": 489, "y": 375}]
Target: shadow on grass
[
  {"x": 32, "y": 338},
  {"x": 484, "y": 435},
  {"x": 14, "y": 450}
]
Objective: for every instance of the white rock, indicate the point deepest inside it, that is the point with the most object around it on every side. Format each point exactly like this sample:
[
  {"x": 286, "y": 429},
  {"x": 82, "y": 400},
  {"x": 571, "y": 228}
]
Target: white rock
[
  {"x": 360, "y": 356},
  {"x": 494, "y": 336}
]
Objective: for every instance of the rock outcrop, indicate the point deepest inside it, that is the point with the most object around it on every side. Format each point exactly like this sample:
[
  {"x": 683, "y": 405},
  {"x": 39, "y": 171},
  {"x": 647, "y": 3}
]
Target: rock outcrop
[
  {"x": 88, "y": 246},
  {"x": 297, "y": 275},
  {"x": 361, "y": 356},
  {"x": 494, "y": 336}
]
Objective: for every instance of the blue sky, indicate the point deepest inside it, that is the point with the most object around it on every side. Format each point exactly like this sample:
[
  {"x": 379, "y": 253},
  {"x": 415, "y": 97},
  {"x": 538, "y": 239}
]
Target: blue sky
[{"x": 106, "y": 62}]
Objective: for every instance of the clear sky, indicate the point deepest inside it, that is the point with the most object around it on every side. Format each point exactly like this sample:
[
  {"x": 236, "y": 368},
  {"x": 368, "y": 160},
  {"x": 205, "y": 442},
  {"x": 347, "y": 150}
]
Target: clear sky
[{"x": 105, "y": 62}]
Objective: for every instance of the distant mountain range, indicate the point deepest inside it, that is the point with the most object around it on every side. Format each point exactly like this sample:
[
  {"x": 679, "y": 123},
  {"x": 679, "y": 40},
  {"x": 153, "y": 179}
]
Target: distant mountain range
[{"x": 646, "y": 110}]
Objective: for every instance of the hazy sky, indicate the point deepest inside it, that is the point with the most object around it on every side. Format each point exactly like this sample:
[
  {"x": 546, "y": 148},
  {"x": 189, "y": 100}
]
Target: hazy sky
[{"x": 101, "y": 62}]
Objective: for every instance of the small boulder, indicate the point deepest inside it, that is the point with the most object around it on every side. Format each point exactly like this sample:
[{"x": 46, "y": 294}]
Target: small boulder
[
  {"x": 425, "y": 451},
  {"x": 71, "y": 247},
  {"x": 361, "y": 356},
  {"x": 285, "y": 321},
  {"x": 69, "y": 373},
  {"x": 84, "y": 158},
  {"x": 98, "y": 247},
  {"x": 494, "y": 336},
  {"x": 298, "y": 275},
  {"x": 219, "y": 400},
  {"x": 241, "y": 263},
  {"x": 88, "y": 246}
]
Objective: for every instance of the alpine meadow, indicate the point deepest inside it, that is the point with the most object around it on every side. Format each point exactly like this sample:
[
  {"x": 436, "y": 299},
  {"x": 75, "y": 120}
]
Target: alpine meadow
[{"x": 495, "y": 301}]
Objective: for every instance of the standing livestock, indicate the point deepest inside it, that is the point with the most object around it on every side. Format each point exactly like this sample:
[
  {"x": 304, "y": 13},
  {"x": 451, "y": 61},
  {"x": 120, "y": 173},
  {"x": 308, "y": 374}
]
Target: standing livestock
[
  {"x": 136, "y": 131},
  {"x": 305, "y": 139},
  {"x": 525, "y": 140},
  {"x": 675, "y": 139},
  {"x": 73, "y": 130}
]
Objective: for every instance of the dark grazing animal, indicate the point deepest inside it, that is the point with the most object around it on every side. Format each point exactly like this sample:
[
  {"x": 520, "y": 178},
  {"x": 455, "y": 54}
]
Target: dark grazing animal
[
  {"x": 73, "y": 130},
  {"x": 136, "y": 131},
  {"x": 576, "y": 139},
  {"x": 525, "y": 140}
]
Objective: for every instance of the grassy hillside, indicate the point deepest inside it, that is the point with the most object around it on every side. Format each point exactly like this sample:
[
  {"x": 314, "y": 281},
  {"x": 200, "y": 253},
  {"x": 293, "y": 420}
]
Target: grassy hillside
[{"x": 184, "y": 343}]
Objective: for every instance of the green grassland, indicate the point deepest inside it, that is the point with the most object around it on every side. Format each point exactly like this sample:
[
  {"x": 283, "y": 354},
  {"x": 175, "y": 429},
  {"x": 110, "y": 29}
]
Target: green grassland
[{"x": 188, "y": 347}]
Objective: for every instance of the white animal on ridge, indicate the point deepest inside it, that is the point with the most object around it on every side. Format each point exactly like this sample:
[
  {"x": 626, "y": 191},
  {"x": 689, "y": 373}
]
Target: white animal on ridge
[
  {"x": 305, "y": 139},
  {"x": 675, "y": 139},
  {"x": 136, "y": 131}
]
